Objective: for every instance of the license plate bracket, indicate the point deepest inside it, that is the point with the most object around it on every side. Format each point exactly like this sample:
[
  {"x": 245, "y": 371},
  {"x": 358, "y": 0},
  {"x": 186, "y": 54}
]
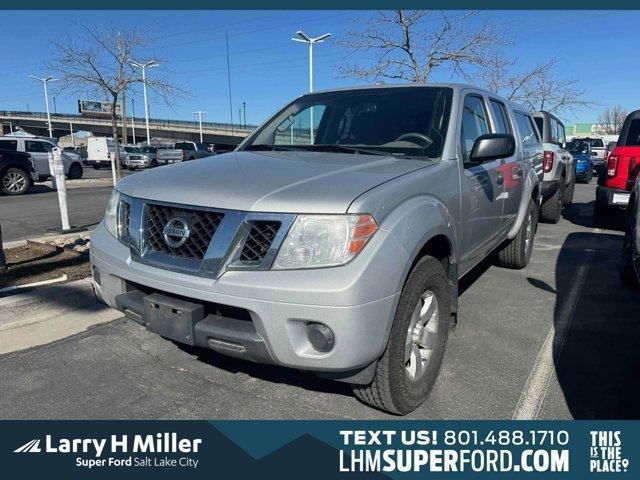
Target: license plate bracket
[
  {"x": 621, "y": 198},
  {"x": 171, "y": 317}
]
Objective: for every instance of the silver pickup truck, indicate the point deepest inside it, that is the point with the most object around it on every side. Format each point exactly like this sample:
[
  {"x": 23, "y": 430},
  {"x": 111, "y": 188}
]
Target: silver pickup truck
[
  {"x": 335, "y": 249},
  {"x": 183, "y": 151}
]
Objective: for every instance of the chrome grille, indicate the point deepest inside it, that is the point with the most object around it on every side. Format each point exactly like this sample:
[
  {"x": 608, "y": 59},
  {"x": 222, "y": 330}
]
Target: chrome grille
[
  {"x": 259, "y": 241},
  {"x": 202, "y": 225}
]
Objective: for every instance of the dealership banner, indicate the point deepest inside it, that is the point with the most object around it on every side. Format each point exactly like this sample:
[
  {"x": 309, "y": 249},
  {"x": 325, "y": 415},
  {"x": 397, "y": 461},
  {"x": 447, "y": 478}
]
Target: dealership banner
[{"x": 315, "y": 449}]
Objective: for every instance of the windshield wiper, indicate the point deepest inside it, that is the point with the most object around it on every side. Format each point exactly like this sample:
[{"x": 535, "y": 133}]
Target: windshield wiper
[
  {"x": 339, "y": 149},
  {"x": 262, "y": 147}
]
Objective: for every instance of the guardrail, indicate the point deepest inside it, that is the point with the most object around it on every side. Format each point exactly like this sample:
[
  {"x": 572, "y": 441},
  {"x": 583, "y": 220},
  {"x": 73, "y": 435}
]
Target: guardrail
[{"x": 155, "y": 122}]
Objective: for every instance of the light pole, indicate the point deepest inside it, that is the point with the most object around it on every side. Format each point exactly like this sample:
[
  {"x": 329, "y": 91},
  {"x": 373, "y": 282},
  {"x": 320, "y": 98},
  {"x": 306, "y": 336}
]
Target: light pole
[
  {"x": 44, "y": 81},
  {"x": 199, "y": 113},
  {"x": 244, "y": 114},
  {"x": 133, "y": 120},
  {"x": 303, "y": 37},
  {"x": 143, "y": 66}
]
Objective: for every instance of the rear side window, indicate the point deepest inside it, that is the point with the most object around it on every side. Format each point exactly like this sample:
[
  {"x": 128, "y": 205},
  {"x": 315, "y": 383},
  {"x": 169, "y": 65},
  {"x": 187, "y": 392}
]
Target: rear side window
[
  {"x": 561, "y": 137},
  {"x": 9, "y": 145},
  {"x": 185, "y": 146},
  {"x": 554, "y": 131},
  {"x": 540, "y": 124},
  {"x": 474, "y": 123},
  {"x": 633, "y": 137},
  {"x": 502, "y": 119},
  {"x": 530, "y": 136},
  {"x": 36, "y": 147}
]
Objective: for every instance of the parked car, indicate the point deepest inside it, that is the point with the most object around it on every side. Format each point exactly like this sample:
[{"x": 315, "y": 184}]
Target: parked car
[
  {"x": 630, "y": 265},
  {"x": 623, "y": 164},
  {"x": 100, "y": 151},
  {"x": 598, "y": 148},
  {"x": 81, "y": 151},
  {"x": 583, "y": 158},
  {"x": 152, "y": 153},
  {"x": 135, "y": 158},
  {"x": 559, "y": 179},
  {"x": 17, "y": 172},
  {"x": 39, "y": 149},
  {"x": 336, "y": 250},
  {"x": 183, "y": 151}
]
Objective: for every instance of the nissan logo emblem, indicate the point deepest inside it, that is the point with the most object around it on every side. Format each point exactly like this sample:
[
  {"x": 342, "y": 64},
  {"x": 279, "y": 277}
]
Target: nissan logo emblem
[{"x": 176, "y": 232}]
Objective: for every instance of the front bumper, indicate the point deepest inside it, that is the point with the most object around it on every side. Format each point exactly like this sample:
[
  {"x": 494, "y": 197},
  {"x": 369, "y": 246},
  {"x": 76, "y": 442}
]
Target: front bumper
[
  {"x": 614, "y": 197},
  {"x": 350, "y": 300}
]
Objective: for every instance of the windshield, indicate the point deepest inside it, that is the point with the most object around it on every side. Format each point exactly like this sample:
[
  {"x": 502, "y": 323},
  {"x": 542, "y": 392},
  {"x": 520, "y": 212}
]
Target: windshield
[
  {"x": 578, "y": 146},
  {"x": 406, "y": 121},
  {"x": 132, "y": 149}
]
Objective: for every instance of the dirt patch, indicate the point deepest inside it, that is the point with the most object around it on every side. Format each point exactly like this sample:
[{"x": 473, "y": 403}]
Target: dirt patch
[{"x": 35, "y": 262}]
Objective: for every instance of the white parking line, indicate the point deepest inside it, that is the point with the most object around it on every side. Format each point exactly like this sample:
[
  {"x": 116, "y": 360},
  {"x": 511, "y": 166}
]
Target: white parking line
[{"x": 535, "y": 390}]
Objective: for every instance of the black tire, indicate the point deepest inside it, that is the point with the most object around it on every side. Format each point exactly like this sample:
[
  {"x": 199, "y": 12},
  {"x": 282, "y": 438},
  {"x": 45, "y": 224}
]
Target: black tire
[
  {"x": 75, "y": 171},
  {"x": 154, "y": 163},
  {"x": 15, "y": 181},
  {"x": 96, "y": 166},
  {"x": 568, "y": 193},
  {"x": 393, "y": 390},
  {"x": 551, "y": 209},
  {"x": 192, "y": 158},
  {"x": 516, "y": 253}
]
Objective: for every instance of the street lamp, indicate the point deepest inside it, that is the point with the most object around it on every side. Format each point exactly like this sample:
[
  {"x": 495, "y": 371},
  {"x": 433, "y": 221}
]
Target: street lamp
[
  {"x": 199, "y": 113},
  {"x": 303, "y": 37},
  {"x": 44, "y": 81},
  {"x": 143, "y": 66}
]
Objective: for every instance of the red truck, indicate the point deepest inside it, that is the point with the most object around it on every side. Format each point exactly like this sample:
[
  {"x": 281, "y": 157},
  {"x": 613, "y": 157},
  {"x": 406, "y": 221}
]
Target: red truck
[{"x": 620, "y": 171}]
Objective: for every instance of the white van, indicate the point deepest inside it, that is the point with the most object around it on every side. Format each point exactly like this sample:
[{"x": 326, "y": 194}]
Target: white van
[
  {"x": 39, "y": 149},
  {"x": 100, "y": 150}
]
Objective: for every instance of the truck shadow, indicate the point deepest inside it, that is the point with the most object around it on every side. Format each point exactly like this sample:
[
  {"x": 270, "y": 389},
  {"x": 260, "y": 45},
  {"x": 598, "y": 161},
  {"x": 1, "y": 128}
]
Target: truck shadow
[
  {"x": 582, "y": 214},
  {"x": 598, "y": 359}
]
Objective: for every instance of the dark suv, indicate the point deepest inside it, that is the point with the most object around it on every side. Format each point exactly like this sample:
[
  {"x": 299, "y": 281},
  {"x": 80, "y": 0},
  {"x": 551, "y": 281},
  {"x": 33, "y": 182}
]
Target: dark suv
[{"x": 17, "y": 172}]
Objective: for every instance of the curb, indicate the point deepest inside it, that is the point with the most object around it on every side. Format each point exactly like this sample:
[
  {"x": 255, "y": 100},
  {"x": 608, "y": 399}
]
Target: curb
[{"x": 47, "y": 238}]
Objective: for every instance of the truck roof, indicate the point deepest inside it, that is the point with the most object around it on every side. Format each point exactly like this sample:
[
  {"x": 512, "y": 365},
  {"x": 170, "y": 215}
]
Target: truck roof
[{"x": 457, "y": 87}]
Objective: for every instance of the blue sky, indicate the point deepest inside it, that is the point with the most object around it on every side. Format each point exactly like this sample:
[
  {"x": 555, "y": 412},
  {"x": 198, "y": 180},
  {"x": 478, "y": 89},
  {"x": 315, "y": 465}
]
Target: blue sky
[{"x": 268, "y": 69}]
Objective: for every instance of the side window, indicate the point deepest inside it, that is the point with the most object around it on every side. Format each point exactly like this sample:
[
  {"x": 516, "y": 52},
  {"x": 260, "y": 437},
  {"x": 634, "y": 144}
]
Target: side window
[
  {"x": 540, "y": 124},
  {"x": 554, "y": 131},
  {"x": 527, "y": 131},
  {"x": 9, "y": 145},
  {"x": 474, "y": 123},
  {"x": 633, "y": 137},
  {"x": 502, "y": 119},
  {"x": 561, "y": 137},
  {"x": 34, "y": 147},
  {"x": 47, "y": 147},
  {"x": 597, "y": 143}
]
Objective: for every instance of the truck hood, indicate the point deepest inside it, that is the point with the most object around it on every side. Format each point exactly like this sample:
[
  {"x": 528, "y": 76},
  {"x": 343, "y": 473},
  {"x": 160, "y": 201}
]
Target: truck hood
[{"x": 285, "y": 182}]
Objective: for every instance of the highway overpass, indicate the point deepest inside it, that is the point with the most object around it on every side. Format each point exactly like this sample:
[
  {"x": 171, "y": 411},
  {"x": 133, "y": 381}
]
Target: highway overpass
[{"x": 222, "y": 134}]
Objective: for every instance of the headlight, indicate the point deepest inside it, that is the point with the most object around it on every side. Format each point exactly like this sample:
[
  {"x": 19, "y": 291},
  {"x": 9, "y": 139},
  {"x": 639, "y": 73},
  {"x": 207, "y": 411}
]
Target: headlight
[
  {"x": 316, "y": 241},
  {"x": 111, "y": 215},
  {"x": 145, "y": 157}
]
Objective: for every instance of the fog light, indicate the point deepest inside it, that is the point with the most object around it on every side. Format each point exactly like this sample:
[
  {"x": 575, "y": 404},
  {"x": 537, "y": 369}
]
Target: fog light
[{"x": 320, "y": 336}]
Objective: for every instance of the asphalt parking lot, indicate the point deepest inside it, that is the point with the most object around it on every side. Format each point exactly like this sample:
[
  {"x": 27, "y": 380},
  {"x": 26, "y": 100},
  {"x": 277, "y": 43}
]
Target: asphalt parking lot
[
  {"x": 37, "y": 212},
  {"x": 559, "y": 339}
]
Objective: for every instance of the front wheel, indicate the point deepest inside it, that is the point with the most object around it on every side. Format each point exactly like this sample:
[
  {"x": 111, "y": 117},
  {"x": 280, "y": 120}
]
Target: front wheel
[
  {"x": 517, "y": 251},
  {"x": 75, "y": 171},
  {"x": 15, "y": 181},
  {"x": 411, "y": 362}
]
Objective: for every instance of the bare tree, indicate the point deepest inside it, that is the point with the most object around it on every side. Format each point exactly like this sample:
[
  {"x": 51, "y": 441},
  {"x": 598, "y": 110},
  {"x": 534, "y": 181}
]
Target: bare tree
[
  {"x": 96, "y": 62},
  {"x": 411, "y": 45},
  {"x": 611, "y": 120},
  {"x": 539, "y": 88}
]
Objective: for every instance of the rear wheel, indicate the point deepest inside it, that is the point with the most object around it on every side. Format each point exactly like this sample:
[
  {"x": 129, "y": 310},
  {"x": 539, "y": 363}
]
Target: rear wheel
[
  {"x": 568, "y": 192},
  {"x": 15, "y": 181},
  {"x": 517, "y": 251},
  {"x": 411, "y": 362},
  {"x": 75, "y": 171},
  {"x": 551, "y": 209}
]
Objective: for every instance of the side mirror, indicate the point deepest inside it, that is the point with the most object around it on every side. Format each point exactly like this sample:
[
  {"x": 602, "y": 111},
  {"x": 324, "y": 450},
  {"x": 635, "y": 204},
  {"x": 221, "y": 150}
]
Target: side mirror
[{"x": 492, "y": 146}]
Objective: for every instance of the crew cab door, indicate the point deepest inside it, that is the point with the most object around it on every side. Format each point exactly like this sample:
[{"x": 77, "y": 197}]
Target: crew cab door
[
  {"x": 511, "y": 171},
  {"x": 481, "y": 206}
]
